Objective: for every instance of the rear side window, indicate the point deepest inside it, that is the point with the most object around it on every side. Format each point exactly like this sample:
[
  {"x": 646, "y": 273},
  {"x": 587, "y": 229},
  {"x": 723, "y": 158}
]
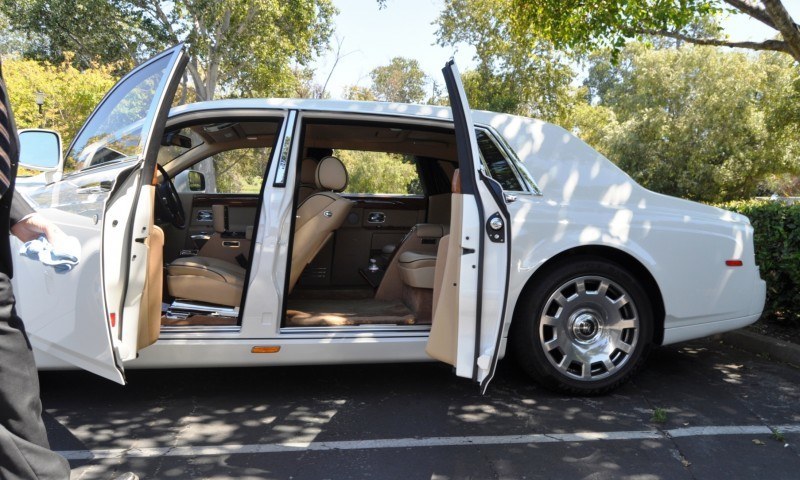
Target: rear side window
[
  {"x": 380, "y": 172},
  {"x": 496, "y": 163}
]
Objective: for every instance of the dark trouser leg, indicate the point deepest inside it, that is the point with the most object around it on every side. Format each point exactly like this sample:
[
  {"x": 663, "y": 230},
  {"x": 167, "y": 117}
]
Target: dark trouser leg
[{"x": 24, "y": 450}]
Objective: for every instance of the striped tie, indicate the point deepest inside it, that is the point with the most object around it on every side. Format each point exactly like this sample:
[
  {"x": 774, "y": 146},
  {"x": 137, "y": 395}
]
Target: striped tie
[{"x": 7, "y": 148}]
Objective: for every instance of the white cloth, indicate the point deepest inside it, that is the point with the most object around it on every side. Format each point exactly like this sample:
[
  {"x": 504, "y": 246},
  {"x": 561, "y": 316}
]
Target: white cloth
[{"x": 62, "y": 256}]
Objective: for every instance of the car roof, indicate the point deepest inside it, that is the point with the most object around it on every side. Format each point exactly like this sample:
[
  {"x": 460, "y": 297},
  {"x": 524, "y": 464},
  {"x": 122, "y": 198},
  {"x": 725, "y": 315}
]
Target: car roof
[{"x": 338, "y": 106}]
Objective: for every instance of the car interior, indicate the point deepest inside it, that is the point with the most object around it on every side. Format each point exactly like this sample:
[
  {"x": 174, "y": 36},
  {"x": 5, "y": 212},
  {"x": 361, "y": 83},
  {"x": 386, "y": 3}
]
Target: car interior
[{"x": 370, "y": 225}]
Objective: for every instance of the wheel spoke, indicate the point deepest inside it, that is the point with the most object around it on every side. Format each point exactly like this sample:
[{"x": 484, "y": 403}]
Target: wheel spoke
[
  {"x": 549, "y": 321},
  {"x": 603, "y": 288},
  {"x": 625, "y": 347},
  {"x": 586, "y": 371},
  {"x": 552, "y": 344},
  {"x": 580, "y": 286},
  {"x": 560, "y": 299},
  {"x": 620, "y": 302},
  {"x": 626, "y": 323},
  {"x": 610, "y": 367}
]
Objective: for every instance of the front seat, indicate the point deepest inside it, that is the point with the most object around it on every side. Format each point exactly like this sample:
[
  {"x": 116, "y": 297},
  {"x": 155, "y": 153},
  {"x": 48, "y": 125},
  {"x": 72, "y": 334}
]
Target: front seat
[
  {"x": 206, "y": 279},
  {"x": 319, "y": 215},
  {"x": 211, "y": 280}
]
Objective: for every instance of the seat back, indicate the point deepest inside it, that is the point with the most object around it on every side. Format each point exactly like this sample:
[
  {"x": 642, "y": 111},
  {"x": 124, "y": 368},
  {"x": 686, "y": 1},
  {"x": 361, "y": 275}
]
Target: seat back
[
  {"x": 319, "y": 215},
  {"x": 308, "y": 170}
]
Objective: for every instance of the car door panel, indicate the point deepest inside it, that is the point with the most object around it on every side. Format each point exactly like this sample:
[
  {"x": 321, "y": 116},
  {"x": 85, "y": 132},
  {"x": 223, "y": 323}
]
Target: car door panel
[
  {"x": 108, "y": 207},
  {"x": 484, "y": 250}
]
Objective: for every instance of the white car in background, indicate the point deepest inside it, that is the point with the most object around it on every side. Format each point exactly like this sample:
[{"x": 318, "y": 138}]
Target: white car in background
[{"x": 510, "y": 230}]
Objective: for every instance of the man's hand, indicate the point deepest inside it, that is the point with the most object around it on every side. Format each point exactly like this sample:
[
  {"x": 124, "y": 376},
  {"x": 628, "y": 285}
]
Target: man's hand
[{"x": 34, "y": 225}]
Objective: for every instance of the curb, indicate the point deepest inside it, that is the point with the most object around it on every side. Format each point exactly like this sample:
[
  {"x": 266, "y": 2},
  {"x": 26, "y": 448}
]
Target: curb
[{"x": 780, "y": 350}]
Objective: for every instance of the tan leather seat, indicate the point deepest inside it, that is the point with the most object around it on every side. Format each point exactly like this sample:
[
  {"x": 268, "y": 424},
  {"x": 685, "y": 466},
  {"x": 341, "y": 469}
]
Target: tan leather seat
[
  {"x": 211, "y": 280},
  {"x": 319, "y": 215},
  {"x": 417, "y": 268},
  {"x": 308, "y": 172},
  {"x": 206, "y": 279}
]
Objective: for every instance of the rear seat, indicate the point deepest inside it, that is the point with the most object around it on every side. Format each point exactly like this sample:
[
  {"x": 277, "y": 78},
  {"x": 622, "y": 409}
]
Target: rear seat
[{"x": 417, "y": 268}]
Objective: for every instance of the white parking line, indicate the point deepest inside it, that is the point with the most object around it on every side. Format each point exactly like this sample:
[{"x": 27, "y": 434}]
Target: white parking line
[{"x": 425, "y": 442}]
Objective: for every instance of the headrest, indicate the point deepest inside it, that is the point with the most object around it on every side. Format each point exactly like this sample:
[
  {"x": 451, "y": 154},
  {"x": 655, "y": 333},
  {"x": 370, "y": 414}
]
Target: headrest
[
  {"x": 308, "y": 171},
  {"x": 331, "y": 174}
]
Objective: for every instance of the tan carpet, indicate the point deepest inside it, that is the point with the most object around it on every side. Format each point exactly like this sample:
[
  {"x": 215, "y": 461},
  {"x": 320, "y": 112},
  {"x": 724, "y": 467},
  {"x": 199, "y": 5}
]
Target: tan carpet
[{"x": 343, "y": 312}]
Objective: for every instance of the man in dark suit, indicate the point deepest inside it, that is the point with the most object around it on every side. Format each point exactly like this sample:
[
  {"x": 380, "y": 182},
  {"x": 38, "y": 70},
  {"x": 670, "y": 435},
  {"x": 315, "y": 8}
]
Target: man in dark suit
[{"x": 24, "y": 450}]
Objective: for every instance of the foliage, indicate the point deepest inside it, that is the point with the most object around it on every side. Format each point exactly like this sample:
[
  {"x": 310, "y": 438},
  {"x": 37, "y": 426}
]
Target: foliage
[
  {"x": 106, "y": 31},
  {"x": 241, "y": 170},
  {"x": 580, "y": 25},
  {"x": 692, "y": 122},
  {"x": 777, "y": 243},
  {"x": 71, "y": 94},
  {"x": 401, "y": 81},
  {"x": 521, "y": 75},
  {"x": 379, "y": 172},
  {"x": 354, "y": 92},
  {"x": 242, "y": 47}
]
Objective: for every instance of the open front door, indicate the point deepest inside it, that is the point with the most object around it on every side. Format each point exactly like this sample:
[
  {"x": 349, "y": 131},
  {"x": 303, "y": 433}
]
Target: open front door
[
  {"x": 88, "y": 316},
  {"x": 475, "y": 277}
]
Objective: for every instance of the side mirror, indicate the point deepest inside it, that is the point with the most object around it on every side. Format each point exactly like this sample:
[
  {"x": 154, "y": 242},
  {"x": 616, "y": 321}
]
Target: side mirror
[
  {"x": 40, "y": 150},
  {"x": 196, "y": 181}
]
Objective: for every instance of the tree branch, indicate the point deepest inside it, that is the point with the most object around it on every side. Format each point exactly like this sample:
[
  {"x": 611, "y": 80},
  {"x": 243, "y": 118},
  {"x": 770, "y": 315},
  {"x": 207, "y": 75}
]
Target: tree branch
[
  {"x": 767, "y": 45},
  {"x": 753, "y": 10},
  {"x": 784, "y": 24},
  {"x": 162, "y": 17}
]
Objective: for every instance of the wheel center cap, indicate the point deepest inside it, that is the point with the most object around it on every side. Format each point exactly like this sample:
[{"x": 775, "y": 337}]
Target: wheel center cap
[{"x": 585, "y": 327}]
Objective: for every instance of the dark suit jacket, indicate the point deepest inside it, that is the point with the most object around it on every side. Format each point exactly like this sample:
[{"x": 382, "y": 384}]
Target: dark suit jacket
[{"x": 13, "y": 206}]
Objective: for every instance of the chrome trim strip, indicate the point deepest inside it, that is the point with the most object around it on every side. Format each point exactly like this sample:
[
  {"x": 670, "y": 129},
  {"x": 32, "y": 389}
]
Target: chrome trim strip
[
  {"x": 203, "y": 308},
  {"x": 285, "y": 149},
  {"x": 355, "y": 330}
]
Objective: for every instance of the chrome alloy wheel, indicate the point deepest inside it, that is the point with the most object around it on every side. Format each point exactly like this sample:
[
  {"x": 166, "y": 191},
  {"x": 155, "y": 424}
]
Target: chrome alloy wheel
[{"x": 589, "y": 328}]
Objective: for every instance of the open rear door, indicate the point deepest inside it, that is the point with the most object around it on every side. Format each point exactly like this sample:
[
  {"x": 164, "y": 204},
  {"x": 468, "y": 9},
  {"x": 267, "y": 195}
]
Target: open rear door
[
  {"x": 88, "y": 316},
  {"x": 478, "y": 251}
]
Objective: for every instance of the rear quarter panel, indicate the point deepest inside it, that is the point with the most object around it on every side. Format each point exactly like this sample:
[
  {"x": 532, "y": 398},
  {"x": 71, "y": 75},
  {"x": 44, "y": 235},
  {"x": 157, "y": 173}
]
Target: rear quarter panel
[{"x": 587, "y": 200}]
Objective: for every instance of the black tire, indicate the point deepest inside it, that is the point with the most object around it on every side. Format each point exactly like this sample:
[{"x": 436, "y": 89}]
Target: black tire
[{"x": 571, "y": 327}]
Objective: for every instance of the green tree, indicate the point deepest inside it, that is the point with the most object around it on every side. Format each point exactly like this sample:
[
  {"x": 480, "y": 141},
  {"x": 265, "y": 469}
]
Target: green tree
[
  {"x": 575, "y": 24},
  {"x": 355, "y": 92},
  {"x": 379, "y": 172},
  {"x": 401, "y": 81},
  {"x": 692, "y": 121},
  {"x": 70, "y": 94},
  {"x": 522, "y": 75},
  {"x": 238, "y": 47}
]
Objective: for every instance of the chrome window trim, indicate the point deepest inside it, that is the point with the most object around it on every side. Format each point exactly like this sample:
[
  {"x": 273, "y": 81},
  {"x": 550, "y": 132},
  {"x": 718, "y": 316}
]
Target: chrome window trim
[{"x": 287, "y": 135}]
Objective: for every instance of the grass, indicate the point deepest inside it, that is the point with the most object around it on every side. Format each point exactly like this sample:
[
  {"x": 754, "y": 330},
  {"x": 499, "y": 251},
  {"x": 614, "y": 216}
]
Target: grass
[
  {"x": 659, "y": 416},
  {"x": 778, "y": 435}
]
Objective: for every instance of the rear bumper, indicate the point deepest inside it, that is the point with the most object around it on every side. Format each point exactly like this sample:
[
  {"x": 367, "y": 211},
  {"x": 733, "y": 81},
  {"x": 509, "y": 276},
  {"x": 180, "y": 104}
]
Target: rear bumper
[{"x": 700, "y": 330}]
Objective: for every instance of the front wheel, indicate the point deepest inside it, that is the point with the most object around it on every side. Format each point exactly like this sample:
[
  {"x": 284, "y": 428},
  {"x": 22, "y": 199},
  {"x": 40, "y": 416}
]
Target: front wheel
[{"x": 584, "y": 328}]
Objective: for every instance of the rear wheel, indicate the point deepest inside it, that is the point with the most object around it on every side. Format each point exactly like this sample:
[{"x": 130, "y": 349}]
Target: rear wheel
[{"x": 585, "y": 327}]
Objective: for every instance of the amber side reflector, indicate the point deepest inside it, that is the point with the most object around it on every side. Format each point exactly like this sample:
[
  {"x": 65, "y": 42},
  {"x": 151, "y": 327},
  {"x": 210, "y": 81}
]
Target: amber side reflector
[
  {"x": 113, "y": 319},
  {"x": 265, "y": 349},
  {"x": 733, "y": 263}
]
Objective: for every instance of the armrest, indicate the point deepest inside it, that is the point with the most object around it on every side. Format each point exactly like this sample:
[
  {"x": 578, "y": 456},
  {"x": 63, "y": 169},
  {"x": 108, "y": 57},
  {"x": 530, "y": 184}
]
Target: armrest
[{"x": 430, "y": 230}]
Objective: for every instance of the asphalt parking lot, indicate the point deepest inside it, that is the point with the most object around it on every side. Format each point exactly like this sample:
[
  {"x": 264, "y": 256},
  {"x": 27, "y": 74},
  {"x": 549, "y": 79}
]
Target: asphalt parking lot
[{"x": 725, "y": 413}]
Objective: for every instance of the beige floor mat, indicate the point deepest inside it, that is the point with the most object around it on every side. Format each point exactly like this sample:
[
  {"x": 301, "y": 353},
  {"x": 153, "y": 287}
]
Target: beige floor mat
[{"x": 345, "y": 312}]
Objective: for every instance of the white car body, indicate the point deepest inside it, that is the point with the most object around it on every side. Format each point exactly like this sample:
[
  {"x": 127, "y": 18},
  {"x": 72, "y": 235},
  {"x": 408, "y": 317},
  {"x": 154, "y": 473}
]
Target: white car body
[{"x": 580, "y": 202}]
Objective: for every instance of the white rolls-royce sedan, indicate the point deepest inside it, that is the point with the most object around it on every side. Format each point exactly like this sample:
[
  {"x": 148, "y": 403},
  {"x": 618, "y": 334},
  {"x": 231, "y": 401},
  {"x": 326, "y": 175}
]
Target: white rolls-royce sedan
[{"x": 322, "y": 232}]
